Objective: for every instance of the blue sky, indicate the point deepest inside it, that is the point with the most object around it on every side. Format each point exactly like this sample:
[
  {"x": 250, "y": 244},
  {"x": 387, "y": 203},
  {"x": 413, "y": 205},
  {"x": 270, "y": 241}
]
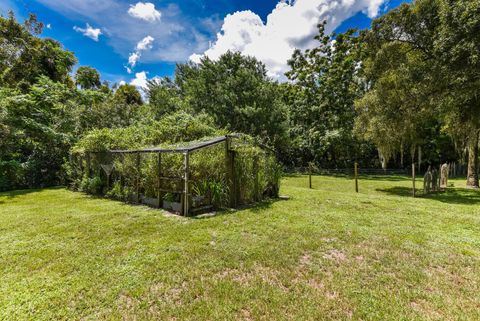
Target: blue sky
[{"x": 154, "y": 35}]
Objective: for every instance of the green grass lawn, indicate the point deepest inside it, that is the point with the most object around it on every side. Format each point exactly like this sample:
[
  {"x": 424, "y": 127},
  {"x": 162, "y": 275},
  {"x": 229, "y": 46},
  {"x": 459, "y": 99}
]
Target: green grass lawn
[{"x": 326, "y": 253}]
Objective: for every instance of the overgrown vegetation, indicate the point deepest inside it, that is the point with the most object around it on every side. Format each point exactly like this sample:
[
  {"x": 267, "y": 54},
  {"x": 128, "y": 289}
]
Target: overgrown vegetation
[{"x": 257, "y": 173}]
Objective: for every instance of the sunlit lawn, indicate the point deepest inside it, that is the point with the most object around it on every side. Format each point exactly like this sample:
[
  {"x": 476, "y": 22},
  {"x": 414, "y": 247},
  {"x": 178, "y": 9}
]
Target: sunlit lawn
[{"x": 324, "y": 253}]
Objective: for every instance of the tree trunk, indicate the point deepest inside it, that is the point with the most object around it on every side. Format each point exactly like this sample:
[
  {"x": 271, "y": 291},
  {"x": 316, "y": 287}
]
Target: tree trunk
[
  {"x": 472, "y": 167},
  {"x": 382, "y": 160},
  {"x": 419, "y": 157},
  {"x": 401, "y": 156}
]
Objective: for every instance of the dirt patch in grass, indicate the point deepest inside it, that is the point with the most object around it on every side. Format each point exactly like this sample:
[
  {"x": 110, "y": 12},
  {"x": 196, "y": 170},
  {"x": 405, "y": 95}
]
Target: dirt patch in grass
[{"x": 335, "y": 255}]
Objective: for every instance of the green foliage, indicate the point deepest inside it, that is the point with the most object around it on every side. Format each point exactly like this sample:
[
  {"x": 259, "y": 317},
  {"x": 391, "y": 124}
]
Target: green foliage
[
  {"x": 421, "y": 64},
  {"x": 11, "y": 174},
  {"x": 24, "y": 57},
  {"x": 87, "y": 78},
  {"x": 92, "y": 185},
  {"x": 174, "y": 128},
  {"x": 117, "y": 192},
  {"x": 128, "y": 94},
  {"x": 326, "y": 81},
  {"x": 237, "y": 93},
  {"x": 163, "y": 97}
]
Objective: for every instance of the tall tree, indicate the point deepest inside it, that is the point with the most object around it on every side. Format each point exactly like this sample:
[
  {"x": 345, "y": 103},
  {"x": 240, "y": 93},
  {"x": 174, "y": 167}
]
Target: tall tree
[
  {"x": 87, "y": 78},
  {"x": 326, "y": 81},
  {"x": 128, "y": 94},
  {"x": 457, "y": 48},
  {"x": 163, "y": 96},
  {"x": 440, "y": 42},
  {"x": 24, "y": 57},
  {"x": 237, "y": 93}
]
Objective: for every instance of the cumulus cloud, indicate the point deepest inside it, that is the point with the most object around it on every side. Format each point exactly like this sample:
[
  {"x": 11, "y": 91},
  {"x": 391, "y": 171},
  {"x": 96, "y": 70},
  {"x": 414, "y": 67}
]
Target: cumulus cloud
[
  {"x": 89, "y": 31},
  {"x": 289, "y": 26},
  {"x": 143, "y": 45},
  {"x": 140, "y": 80},
  {"x": 145, "y": 11}
]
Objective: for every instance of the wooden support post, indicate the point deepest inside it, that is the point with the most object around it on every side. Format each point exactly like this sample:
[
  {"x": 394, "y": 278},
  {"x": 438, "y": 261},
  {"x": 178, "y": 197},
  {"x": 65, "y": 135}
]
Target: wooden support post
[
  {"x": 186, "y": 192},
  {"x": 413, "y": 179},
  {"x": 439, "y": 176},
  {"x": 310, "y": 175},
  {"x": 230, "y": 172},
  {"x": 356, "y": 177},
  {"x": 122, "y": 178},
  {"x": 138, "y": 178},
  {"x": 159, "y": 180},
  {"x": 447, "y": 174}
]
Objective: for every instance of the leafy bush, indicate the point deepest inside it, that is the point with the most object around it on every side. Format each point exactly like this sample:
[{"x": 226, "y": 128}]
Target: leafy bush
[
  {"x": 92, "y": 185},
  {"x": 11, "y": 175}
]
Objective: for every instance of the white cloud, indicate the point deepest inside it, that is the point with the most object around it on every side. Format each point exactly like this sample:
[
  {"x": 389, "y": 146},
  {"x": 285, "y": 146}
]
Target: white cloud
[
  {"x": 140, "y": 80},
  {"x": 89, "y": 31},
  {"x": 49, "y": 26},
  {"x": 143, "y": 45},
  {"x": 133, "y": 58},
  {"x": 145, "y": 11},
  {"x": 289, "y": 26}
]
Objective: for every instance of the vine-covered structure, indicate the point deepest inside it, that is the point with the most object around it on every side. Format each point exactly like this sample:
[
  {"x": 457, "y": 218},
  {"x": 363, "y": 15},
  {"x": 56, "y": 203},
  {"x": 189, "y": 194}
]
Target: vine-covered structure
[{"x": 188, "y": 178}]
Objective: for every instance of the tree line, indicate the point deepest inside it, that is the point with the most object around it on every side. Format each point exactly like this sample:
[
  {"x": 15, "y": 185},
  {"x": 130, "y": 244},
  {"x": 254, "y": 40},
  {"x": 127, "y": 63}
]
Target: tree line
[{"x": 403, "y": 91}]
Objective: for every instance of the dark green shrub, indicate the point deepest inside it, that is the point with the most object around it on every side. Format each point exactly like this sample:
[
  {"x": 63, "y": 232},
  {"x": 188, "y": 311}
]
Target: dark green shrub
[
  {"x": 11, "y": 175},
  {"x": 92, "y": 186}
]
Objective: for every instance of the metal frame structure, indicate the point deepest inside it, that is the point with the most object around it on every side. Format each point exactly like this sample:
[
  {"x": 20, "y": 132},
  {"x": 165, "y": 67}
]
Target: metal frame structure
[{"x": 186, "y": 151}]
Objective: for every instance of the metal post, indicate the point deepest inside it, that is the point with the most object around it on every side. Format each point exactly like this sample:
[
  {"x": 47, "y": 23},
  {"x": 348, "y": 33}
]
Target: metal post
[
  {"x": 310, "y": 175},
  {"x": 413, "y": 179},
  {"x": 122, "y": 177},
  {"x": 356, "y": 177},
  {"x": 159, "y": 183},
  {"x": 230, "y": 171},
  {"x": 186, "y": 192}
]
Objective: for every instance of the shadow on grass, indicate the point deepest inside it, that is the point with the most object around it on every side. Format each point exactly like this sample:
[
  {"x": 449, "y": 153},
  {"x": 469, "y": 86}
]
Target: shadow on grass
[
  {"x": 21, "y": 192},
  {"x": 452, "y": 196},
  {"x": 389, "y": 178},
  {"x": 255, "y": 207}
]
